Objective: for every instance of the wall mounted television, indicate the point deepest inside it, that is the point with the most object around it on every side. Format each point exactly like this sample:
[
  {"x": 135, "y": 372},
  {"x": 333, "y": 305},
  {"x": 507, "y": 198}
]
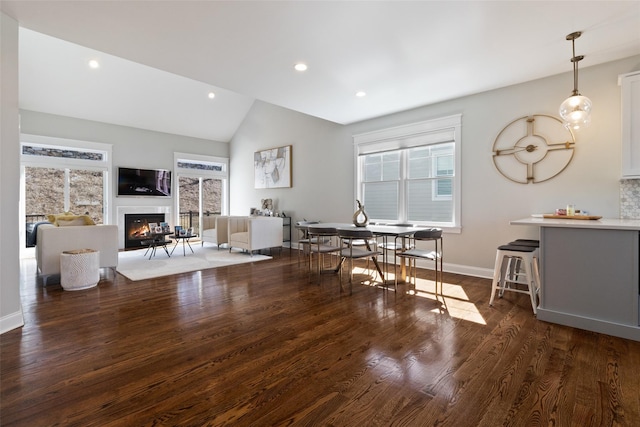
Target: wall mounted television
[{"x": 144, "y": 182}]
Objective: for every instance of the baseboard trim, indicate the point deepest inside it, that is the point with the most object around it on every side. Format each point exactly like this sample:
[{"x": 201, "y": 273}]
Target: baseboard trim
[
  {"x": 11, "y": 321},
  {"x": 485, "y": 273},
  {"x": 630, "y": 332}
]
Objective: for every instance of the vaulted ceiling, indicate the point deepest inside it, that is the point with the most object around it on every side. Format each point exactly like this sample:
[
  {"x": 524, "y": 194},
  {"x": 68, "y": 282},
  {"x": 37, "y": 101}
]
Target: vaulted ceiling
[{"x": 160, "y": 59}]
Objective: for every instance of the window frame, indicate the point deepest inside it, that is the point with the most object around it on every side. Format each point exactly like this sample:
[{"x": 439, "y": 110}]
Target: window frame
[
  {"x": 426, "y": 133},
  {"x": 436, "y": 188},
  {"x": 222, "y": 175},
  {"x": 65, "y": 163}
]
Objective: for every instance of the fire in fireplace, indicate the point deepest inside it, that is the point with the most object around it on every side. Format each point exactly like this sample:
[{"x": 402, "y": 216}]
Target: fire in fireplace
[{"x": 136, "y": 228}]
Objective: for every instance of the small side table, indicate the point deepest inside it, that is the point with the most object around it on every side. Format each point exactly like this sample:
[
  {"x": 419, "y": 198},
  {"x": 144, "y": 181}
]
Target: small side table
[
  {"x": 157, "y": 240},
  {"x": 79, "y": 269},
  {"x": 185, "y": 239}
]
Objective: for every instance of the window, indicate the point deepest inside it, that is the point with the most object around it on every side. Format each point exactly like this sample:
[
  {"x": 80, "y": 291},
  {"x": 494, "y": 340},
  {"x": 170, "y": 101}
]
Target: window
[
  {"x": 53, "y": 190},
  {"x": 60, "y": 175},
  {"x": 202, "y": 188},
  {"x": 411, "y": 173},
  {"x": 381, "y": 184}
]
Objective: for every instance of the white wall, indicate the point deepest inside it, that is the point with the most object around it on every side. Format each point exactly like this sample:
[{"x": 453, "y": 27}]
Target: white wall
[
  {"x": 10, "y": 306},
  {"x": 132, "y": 147},
  {"x": 323, "y": 161},
  {"x": 315, "y": 170}
]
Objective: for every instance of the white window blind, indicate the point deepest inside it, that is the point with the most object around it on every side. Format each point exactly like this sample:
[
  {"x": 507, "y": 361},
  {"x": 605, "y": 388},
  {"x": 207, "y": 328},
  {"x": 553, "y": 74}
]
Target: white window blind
[{"x": 411, "y": 173}]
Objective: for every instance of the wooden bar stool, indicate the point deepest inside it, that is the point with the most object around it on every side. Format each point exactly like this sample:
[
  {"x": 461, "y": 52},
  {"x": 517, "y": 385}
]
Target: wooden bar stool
[{"x": 506, "y": 276}]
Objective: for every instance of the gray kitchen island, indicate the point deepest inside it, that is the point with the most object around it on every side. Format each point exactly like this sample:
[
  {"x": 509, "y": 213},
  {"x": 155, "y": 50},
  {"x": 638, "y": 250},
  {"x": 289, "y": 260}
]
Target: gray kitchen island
[{"x": 589, "y": 272}]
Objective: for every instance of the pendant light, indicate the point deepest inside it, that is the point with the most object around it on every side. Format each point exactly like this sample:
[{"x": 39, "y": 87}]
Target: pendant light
[{"x": 575, "y": 110}]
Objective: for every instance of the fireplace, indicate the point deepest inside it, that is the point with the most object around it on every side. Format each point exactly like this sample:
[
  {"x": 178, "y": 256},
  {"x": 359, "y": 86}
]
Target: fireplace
[{"x": 136, "y": 228}]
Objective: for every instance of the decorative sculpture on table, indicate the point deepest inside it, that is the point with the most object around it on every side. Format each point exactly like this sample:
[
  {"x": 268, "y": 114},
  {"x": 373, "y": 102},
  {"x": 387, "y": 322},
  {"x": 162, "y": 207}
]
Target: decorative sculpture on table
[
  {"x": 360, "y": 217},
  {"x": 267, "y": 207}
]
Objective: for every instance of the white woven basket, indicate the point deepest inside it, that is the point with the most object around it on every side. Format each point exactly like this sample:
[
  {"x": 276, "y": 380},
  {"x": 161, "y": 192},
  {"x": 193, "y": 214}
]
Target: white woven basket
[{"x": 79, "y": 269}]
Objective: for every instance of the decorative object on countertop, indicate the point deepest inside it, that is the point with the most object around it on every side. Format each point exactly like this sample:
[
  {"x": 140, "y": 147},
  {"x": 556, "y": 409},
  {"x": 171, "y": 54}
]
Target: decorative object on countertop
[
  {"x": 360, "y": 217},
  {"x": 533, "y": 149},
  {"x": 555, "y": 216},
  {"x": 576, "y": 110},
  {"x": 570, "y": 213}
]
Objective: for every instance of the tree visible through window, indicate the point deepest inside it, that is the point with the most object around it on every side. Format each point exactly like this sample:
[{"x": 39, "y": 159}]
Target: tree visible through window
[
  {"x": 191, "y": 194},
  {"x": 60, "y": 175},
  {"x": 44, "y": 191},
  {"x": 202, "y": 187},
  {"x": 53, "y": 190}
]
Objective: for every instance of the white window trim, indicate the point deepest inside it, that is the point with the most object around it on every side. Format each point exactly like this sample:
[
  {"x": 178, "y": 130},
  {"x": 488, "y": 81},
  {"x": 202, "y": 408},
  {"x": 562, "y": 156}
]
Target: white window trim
[
  {"x": 50, "y": 142},
  {"x": 444, "y": 129},
  {"x": 105, "y": 165},
  {"x": 199, "y": 158}
]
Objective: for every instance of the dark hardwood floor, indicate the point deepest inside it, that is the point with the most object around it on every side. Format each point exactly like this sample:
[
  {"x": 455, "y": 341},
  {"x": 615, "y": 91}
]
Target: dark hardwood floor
[{"x": 259, "y": 345}]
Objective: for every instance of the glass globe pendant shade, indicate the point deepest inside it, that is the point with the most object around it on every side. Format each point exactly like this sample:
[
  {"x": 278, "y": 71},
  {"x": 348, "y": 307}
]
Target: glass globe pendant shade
[{"x": 576, "y": 112}]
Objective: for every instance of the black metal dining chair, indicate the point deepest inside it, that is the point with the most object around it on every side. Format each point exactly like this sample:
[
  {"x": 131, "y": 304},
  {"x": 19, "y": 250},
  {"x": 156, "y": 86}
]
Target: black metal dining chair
[
  {"x": 351, "y": 242},
  {"x": 304, "y": 241},
  {"x": 415, "y": 253},
  {"x": 399, "y": 244},
  {"x": 322, "y": 242}
]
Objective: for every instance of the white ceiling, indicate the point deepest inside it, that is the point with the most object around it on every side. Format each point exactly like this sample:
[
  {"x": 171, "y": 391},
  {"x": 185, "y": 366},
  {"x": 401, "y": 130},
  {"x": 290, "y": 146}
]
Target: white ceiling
[{"x": 402, "y": 54}]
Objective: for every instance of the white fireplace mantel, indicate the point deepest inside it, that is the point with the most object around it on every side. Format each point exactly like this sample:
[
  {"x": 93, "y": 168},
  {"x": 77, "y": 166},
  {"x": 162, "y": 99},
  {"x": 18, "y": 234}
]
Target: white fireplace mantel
[{"x": 124, "y": 210}]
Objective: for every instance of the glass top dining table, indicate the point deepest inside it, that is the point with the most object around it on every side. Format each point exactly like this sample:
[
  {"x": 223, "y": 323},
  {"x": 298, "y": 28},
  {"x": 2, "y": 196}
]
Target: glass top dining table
[
  {"x": 385, "y": 231},
  {"x": 377, "y": 229}
]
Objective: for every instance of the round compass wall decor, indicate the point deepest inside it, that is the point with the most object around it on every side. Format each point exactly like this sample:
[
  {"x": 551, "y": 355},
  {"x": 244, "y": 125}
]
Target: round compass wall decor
[{"x": 533, "y": 149}]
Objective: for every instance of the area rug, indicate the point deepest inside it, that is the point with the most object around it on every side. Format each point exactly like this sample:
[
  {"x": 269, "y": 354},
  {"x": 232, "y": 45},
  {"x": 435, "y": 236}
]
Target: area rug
[{"x": 134, "y": 265}]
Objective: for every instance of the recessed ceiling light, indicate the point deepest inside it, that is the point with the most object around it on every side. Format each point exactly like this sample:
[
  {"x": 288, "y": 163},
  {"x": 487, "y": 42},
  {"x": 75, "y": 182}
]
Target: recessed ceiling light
[
  {"x": 361, "y": 94},
  {"x": 94, "y": 64},
  {"x": 300, "y": 67},
  {"x": 211, "y": 95}
]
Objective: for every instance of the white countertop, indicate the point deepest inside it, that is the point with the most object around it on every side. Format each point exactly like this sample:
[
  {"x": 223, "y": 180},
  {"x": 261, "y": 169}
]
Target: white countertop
[{"x": 603, "y": 223}]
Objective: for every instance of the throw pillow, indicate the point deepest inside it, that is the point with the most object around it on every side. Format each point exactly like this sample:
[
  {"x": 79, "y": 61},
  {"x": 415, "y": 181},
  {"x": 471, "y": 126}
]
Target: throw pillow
[
  {"x": 67, "y": 218},
  {"x": 76, "y": 221},
  {"x": 53, "y": 217}
]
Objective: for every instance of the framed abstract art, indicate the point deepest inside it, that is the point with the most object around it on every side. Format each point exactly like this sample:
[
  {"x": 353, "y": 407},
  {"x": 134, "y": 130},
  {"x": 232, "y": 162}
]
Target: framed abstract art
[{"x": 273, "y": 167}]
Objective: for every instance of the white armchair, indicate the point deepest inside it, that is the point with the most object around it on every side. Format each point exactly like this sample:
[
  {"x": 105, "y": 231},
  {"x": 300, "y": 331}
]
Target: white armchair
[
  {"x": 255, "y": 233},
  {"x": 215, "y": 229}
]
